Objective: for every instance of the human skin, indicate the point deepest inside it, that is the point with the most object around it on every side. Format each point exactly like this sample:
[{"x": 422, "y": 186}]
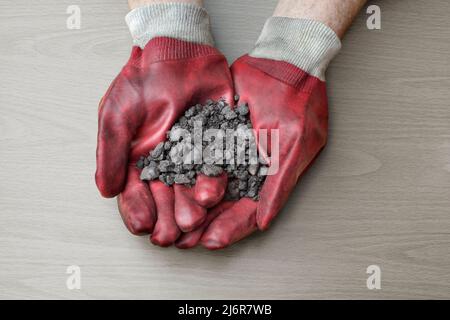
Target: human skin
[
  {"x": 336, "y": 14},
  {"x": 138, "y": 3}
]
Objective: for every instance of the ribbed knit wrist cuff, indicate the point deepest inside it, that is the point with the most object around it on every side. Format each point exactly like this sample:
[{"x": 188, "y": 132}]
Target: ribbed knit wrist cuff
[
  {"x": 309, "y": 45},
  {"x": 182, "y": 21}
]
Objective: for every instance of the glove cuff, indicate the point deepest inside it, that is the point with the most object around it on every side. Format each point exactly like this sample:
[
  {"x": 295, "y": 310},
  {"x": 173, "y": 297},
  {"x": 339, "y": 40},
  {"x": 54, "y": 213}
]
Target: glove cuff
[
  {"x": 181, "y": 21},
  {"x": 307, "y": 44}
]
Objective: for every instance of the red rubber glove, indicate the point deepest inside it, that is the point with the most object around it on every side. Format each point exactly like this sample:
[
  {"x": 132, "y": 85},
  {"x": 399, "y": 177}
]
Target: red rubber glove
[
  {"x": 159, "y": 82},
  {"x": 282, "y": 81}
]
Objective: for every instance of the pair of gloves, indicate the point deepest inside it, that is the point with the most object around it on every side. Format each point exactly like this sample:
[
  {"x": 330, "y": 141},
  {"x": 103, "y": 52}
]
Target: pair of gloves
[{"x": 175, "y": 65}]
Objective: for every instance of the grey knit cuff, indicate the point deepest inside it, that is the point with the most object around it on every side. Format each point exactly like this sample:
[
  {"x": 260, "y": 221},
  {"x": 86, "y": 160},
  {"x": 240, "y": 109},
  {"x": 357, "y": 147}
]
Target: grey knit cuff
[
  {"x": 309, "y": 45},
  {"x": 180, "y": 21}
]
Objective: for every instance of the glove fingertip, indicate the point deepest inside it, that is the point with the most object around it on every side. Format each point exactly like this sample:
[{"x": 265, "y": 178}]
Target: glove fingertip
[
  {"x": 188, "y": 213},
  {"x": 107, "y": 187},
  {"x": 136, "y": 205},
  {"x": 212, "y": 244},
  {"x": 187, "y": 241},
  {"x": 234, "y": 224}
]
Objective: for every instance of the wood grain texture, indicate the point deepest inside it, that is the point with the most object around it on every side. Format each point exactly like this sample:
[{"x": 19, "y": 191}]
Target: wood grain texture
[{"x": 379, "y": 193}]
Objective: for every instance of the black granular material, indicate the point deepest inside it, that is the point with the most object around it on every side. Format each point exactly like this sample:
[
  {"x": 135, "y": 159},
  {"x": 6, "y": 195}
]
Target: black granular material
[{"x": 209, "y": 139}]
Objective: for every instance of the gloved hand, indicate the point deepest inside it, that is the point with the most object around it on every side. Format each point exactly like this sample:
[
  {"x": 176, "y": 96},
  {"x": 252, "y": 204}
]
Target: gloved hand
[
  {"x": 173, "y": 66},
  {"x": 282, "y": 80}
]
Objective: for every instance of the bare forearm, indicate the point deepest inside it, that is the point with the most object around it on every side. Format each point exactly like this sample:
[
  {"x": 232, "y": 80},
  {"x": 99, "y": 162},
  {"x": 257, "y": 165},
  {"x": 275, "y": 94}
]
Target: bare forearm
[
  {"x": 337, "y": 14},
  {"x": 138, "y": 3}
]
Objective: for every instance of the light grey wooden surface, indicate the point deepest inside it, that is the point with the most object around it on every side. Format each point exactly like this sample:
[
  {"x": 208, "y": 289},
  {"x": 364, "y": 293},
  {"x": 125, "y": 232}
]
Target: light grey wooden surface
[{"x": 379, "y": 194}]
